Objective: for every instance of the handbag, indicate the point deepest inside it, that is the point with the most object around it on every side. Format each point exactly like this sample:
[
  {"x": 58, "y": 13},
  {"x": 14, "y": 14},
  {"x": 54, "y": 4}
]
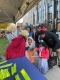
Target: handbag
[{"x": 52, "y": 61}]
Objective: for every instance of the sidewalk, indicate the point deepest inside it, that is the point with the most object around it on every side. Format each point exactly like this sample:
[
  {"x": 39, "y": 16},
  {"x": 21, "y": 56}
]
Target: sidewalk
[{"x": 53, "y": 74}]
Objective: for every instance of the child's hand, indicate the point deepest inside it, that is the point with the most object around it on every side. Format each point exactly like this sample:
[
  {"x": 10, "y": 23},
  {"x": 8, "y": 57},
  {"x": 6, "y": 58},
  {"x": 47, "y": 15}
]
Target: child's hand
[
  {"x": 41, "y": 57},
  {"x": 31, "y": 50}
]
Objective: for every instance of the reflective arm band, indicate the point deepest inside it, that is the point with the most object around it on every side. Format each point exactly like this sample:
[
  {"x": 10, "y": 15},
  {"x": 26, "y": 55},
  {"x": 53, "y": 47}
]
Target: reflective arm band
[
  {"x": 4, "y": 73},
  {"x": 25, "y": 75},
  {"x": 7, "y": 65},
  {"x": 3, "y": 62},
  {"x": 13, "y": 69},
  {"x": 17, "y": 77}
]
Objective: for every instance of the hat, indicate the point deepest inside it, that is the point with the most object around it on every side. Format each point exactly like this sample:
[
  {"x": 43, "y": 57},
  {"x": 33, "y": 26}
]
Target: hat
[
  {"x": 44, "y": 28},
  {"x": 18, "y": 26},
  {"x": 28, "y": 26},
  {"x": 30, "y": 38},
  {"x": 24, "y": 33}
]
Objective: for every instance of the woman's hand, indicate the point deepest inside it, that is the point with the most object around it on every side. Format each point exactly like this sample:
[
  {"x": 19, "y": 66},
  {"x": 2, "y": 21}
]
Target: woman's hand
[{"x": 52, "y": 54}]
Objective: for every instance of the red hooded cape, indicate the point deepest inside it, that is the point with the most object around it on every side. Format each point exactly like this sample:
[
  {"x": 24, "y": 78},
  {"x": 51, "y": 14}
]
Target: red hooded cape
[{"x": 16, "y": 48}]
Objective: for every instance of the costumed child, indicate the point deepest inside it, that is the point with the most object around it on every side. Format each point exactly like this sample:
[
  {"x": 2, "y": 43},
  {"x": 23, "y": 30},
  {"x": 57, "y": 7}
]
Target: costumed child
[
  {"x": 30, "y": 45},
  {"x": 43, "y": 57}
]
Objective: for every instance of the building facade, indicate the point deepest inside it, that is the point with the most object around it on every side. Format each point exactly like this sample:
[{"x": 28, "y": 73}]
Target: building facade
[
  {"x": 25, "y": 18},
  {"x": 46, "y": 12}
]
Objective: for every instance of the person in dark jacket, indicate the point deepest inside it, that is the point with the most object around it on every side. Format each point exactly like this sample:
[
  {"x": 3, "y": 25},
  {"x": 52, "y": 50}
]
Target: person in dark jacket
[
  {"x": 37, "y": 38},
  {"x": 52, "y": 41},
  {"x": 54, "y": 31}
]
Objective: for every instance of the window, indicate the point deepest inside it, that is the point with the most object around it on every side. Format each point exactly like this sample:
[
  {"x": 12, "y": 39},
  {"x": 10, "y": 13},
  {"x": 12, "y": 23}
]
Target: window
[
  {"x": 56, "y": 14},
  {"x": 56, "y": 5},
  {"x": 38, "y": 17},
  {"x": 56, "y": 9},
  {"x": 50, "y": 13},
  {"x": 33, "y": 19},
  {"x": 43, "y": 15}
]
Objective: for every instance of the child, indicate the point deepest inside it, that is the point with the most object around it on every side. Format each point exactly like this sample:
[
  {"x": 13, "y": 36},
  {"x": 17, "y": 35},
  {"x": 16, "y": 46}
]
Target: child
[
  {"x": 43, "y": 57},
  {"x": 30, "y": 45}
]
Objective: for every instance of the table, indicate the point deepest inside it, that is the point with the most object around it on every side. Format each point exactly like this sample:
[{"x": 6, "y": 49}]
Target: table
[{"x": 22, "y": 63}]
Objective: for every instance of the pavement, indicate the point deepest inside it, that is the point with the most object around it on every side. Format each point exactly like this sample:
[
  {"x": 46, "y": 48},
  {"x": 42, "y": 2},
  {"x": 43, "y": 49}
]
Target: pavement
[{"x": 52, "y": 74}]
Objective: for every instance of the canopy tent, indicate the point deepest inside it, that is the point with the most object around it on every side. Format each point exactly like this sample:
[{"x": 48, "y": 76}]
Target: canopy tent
[{"x": 13, "y": 10}]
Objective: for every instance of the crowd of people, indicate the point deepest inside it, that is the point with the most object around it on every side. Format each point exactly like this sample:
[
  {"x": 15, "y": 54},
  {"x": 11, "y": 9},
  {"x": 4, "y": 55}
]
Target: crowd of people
[
  {"x": 28, "y": 41},
  {"x": 2, "y": 34}
]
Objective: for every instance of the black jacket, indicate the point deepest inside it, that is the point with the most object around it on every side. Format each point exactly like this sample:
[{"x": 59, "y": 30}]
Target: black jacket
[
  {"x": 35, "y": 37},
  {"x": 52, "y": 40}
]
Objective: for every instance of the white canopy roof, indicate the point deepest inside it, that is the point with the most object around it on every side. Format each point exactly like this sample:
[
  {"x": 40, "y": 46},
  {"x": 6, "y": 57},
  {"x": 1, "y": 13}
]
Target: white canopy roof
[{"x": 13, "y": 10}]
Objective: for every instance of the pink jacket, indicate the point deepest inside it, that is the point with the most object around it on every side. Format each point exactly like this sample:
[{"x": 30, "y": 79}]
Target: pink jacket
[{"x": 44, "y": 53}]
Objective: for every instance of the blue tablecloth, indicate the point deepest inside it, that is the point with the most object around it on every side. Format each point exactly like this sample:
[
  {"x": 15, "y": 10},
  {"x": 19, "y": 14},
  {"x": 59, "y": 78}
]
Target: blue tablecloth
[{"x": 24, "y": 63}]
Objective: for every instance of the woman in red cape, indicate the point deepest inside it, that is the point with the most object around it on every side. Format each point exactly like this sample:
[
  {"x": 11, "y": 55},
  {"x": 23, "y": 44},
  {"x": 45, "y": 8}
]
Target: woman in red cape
[{"x": 17, "y": 47}]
